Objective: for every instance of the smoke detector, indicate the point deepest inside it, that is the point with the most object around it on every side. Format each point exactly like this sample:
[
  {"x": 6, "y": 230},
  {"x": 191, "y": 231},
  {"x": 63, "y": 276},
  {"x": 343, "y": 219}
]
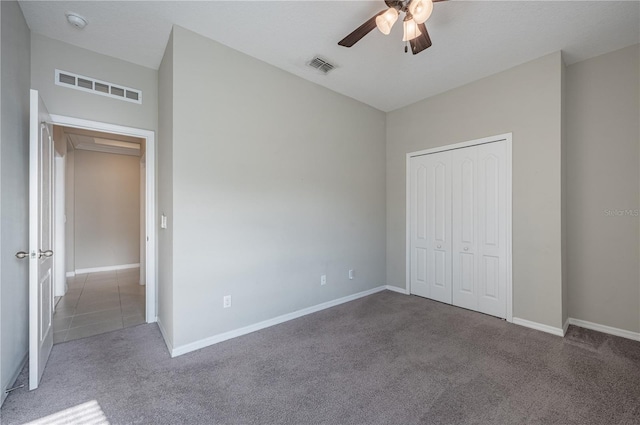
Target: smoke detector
[{"x": 76, "y": 20}]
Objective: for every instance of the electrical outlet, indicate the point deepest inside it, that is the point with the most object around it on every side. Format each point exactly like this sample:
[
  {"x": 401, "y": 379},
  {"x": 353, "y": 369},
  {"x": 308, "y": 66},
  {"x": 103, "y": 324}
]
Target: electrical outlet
[
  {"x": 323, "y": 279},
  {"x": 351, "y": 274},
  {"x": 226, "y": 301}
]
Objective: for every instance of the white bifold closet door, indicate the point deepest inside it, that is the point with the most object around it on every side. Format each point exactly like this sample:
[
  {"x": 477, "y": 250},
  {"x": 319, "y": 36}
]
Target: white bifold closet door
[
  {"x": 431, "y": 226},
  {"x": 473, "y": 234}
]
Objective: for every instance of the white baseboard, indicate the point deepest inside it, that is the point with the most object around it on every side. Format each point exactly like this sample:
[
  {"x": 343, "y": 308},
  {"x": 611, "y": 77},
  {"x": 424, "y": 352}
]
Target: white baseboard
[
  {"x": 605, "y": 329},
  {"x": 13, "y": 378},
  {"x": 71, "y": 274},
  {"x": 187, "y": 348},
  {"x": 565, "y": 326},
  {"x": 108, "y": 268},
  {"x": 538, "y": 326},
  {"x": 167, "y": 341},
  {"x": 396, "y": 289}
]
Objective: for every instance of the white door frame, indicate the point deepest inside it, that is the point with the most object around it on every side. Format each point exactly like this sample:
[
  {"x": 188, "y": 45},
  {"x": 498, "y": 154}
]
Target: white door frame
[
  {"x": 507, "y": 137},
  {"x": 150, "y": 197}
]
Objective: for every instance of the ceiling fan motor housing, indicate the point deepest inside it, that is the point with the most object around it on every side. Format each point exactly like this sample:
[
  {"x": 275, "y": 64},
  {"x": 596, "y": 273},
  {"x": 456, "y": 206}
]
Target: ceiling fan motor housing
[{"x": 401, "y": 5}]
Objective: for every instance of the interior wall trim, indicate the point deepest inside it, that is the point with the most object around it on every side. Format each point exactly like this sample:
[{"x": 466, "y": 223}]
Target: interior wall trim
[
  {"x": 165, "y": 336},
  {"x": 397, "y": 289},
  {"x": 605, "y": 329},
  {"x": 193, "y": 346},
  {"x": 107, "y": 268},
  {"x": 538, "y": 326}
]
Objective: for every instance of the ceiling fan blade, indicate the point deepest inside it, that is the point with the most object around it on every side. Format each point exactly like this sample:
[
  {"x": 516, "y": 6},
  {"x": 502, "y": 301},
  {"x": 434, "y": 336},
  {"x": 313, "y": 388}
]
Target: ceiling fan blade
[
  {"x": 360, "y": 32},
  {"x": 421, "y": 42}
]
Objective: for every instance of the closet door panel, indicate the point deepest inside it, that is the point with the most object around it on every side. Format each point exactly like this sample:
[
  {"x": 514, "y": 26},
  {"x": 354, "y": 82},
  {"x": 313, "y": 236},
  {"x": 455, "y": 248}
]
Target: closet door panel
[
  {"x": 465, "y": 228},
  {"x": 439, "y": 226},
  {"x": 492, "y": 239},
  {"x": 431, "y": 226},
  {"x": 418, "y": 232}
]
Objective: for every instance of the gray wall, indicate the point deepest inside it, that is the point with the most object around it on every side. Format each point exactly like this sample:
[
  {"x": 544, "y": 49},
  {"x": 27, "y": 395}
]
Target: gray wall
[
  {"x": 106, "y": 209},
  {"x": 69, "y": 200},
  {"x": 14, "y": 202},
  {"x": 565, "y": 212},
  {"x": 525, "y": 100},
  {"x": 48, "y": 54},
  {"x": 603, "y": 115},
  {"x": 165, "y": 191},
  {"x": 276, "y": 181}
]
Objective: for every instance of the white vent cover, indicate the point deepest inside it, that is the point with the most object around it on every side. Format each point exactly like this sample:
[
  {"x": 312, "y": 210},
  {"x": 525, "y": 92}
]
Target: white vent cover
[
  {"x": 91, "y": 85},
  {"x": 321, "y": 65}
]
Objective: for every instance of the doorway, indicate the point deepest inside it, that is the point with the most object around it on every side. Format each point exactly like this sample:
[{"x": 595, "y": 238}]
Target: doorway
[{"x": 105, "y": 280}]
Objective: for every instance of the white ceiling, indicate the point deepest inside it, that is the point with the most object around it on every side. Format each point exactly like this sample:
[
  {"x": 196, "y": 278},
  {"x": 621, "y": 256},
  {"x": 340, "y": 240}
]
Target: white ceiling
[{"x": 471, "y": 39}]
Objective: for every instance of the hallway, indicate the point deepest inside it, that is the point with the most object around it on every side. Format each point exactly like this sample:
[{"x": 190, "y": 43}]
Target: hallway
[{"x": 96, "y": 303}]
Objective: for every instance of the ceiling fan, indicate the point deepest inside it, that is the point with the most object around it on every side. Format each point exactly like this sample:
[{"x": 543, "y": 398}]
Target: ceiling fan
[{"x": 415, "y": 31}]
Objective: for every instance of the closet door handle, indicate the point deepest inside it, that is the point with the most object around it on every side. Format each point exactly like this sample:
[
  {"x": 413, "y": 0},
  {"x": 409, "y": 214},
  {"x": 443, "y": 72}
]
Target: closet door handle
[
  {"x": 48, "y": 253},
  {"x": 466, "y": 248},
  {"x": 439, "y": 246}
]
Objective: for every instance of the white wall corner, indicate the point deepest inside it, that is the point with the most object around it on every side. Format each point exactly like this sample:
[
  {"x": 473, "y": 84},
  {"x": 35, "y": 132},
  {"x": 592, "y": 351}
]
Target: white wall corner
[
  {"x": 605, "y": 329},
  {"x": 165, "y": 336},
  {"x": 538, "y": 326},
  {"x": 196, "y": 345}
]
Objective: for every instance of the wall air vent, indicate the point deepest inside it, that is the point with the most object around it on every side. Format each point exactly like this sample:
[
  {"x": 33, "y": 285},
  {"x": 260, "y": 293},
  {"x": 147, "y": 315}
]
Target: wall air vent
[
  {"x": 321, "y": 65},
  {"x": 103, "y": 88}
]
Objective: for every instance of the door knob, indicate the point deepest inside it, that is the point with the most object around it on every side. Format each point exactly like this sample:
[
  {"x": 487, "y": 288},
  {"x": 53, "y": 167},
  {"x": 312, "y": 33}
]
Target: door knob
[
  {"x": 466, "y": 248},
  {"x": 22, "y": 254},
  {"x": 439, "y": 246},
  {"x": 47, "y": 253}
]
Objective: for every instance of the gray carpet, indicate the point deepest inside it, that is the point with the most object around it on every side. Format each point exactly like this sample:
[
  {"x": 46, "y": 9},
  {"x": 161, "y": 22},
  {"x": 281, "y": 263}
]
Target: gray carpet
[{"x": 384, "y": 359}]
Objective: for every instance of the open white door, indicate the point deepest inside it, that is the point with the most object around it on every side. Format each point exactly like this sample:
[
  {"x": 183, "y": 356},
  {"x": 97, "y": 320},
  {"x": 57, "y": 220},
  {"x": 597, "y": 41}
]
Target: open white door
[{"x": 40, "y": 239}]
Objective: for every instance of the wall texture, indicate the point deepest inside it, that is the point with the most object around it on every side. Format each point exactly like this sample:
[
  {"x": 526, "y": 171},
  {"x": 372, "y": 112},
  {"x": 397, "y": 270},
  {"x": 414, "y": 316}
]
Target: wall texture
[
  {"x": 107, "y": 209},
  {"x": 525, "y": 100},
  {"x": 48, "y": 54},
  {"x": 603, "y": 118},
  {"x": 14, "y": 202},
  {"x": 276, "y": 181},
  {"x": 165, "y": 192},
  {"x": 69, "y": 200}
]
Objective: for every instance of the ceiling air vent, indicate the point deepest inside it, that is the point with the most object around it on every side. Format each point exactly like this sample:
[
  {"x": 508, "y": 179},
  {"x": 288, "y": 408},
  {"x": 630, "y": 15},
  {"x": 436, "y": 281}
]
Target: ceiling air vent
[
  {"x": 103, "y": 88},
  {"x": 321, "y": 65}
]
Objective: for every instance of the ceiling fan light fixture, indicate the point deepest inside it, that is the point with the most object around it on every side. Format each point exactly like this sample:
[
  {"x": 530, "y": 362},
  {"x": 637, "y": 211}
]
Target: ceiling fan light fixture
[
  {"x": 411, "y": 29},
  {"x": 421, "y": 10},
  {"x": 385, "y": 21}
]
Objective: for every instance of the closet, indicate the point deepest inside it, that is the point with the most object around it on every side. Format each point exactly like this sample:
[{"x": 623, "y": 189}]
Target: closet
[{"x": 458, "y": 222}]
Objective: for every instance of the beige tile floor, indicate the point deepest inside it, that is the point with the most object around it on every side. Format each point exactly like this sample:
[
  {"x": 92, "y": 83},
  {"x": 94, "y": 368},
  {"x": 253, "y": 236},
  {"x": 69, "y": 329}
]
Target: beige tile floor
[{"x": 99, "y": 302}]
